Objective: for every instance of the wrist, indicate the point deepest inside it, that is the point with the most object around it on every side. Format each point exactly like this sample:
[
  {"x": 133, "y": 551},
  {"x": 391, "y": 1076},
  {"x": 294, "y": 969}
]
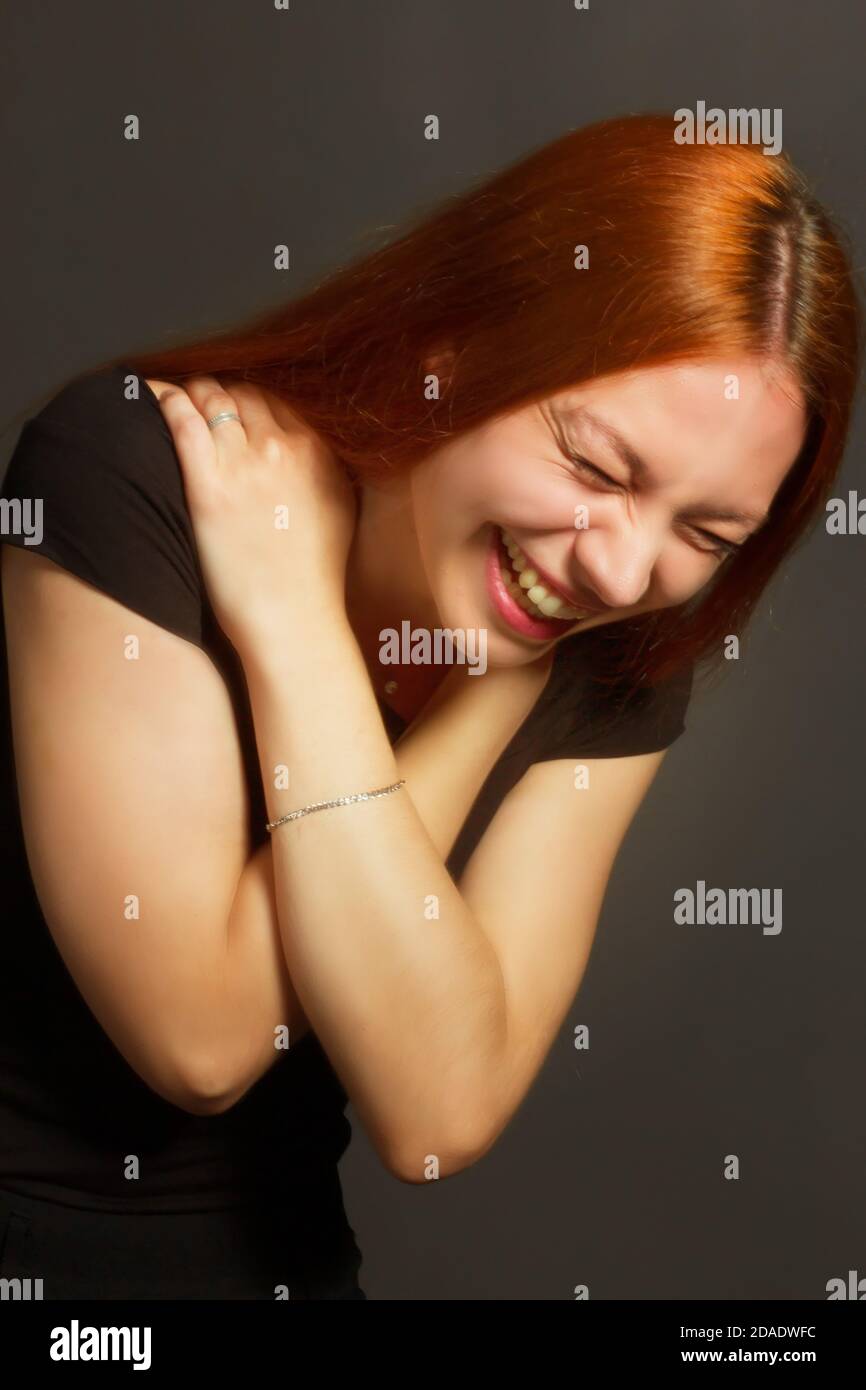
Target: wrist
[{"x": 292, "y": 642}]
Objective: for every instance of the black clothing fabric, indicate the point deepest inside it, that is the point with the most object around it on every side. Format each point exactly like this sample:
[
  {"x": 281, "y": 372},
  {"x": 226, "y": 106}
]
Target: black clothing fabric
[
  {"x": 114, "y": 515},
  {"x": 258, "y": 1251}
]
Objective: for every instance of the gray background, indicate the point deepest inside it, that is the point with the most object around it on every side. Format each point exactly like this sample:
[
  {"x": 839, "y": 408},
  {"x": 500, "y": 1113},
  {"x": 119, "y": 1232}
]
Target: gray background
[{"x": 261, "y": 127}]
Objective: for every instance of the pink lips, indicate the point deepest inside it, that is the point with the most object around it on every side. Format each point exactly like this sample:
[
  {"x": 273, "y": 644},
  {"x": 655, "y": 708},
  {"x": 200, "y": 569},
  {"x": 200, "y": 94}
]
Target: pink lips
[
  {"x": 586, "y": 606},
  {"x": 540, "y": 629}
]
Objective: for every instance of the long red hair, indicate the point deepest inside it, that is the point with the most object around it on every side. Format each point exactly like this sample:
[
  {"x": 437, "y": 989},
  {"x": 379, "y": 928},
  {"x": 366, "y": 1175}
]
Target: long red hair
[{"x": 694, "y": 250}]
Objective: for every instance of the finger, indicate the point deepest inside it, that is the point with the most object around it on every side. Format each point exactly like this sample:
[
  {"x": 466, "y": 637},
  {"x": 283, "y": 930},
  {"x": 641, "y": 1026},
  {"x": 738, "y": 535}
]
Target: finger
[
  {"x": 158, "y": 387},
  {"x": 193, "y": 441},
  {"x": 263, "y": 413},
  {"x": 212, "y": 399}
]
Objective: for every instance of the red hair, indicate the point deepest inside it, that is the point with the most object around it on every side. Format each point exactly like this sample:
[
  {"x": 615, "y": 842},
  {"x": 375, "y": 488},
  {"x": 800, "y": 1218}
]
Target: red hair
[{"x": 694, "y": 251}]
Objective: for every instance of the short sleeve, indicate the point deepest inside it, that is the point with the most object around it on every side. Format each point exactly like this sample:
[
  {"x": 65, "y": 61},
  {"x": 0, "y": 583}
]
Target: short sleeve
[
  {"x": 584, "y": 719},
  {"x": 94, "y": 484}
]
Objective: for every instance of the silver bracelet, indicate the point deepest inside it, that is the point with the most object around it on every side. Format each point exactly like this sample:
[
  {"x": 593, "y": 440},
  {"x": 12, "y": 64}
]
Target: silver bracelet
[{"x": 339, "y": 801}]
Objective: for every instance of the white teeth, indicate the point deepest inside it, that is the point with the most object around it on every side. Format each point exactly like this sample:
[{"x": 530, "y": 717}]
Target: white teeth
[
  {"x": 534, "y": 598},
  {"x": 550, "y": 606}
]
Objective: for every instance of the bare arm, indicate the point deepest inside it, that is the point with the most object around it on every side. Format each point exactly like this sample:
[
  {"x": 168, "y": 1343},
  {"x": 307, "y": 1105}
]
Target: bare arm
[
  {"x": 436, "y": 1024},
  {"x": 132, "y": 788},
  {"x": 132, "y": 785},
  {"x": 446, "y": 755},
  {"x": 131, "y": 782}
]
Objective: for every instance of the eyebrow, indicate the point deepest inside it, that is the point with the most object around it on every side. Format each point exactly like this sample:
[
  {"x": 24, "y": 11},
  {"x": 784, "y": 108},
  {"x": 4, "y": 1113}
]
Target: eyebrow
[{"x": 643, "y": 473}]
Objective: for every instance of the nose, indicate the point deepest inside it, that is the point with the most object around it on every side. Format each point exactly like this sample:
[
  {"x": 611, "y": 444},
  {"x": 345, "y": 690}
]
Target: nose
[{"x": 616, "y": 564}]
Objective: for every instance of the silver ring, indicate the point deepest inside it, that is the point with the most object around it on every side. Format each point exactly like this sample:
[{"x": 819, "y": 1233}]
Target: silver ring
[{"x": 223, "y": 415}]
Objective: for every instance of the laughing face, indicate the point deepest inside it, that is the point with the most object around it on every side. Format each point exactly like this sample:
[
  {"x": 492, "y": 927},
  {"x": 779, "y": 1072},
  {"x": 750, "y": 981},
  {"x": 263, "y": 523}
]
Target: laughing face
[{"x": 621, "y": 496}]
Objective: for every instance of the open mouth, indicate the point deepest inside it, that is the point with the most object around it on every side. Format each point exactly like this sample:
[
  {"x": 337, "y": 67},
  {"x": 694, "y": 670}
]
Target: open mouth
[
  {"x": 526, "y": 587},
  {"x": 543, "y": 617}
]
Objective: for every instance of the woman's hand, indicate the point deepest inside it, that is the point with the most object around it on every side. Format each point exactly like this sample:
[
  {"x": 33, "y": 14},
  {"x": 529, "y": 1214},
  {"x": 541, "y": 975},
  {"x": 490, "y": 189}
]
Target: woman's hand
[{"x": 273, "y": 510}]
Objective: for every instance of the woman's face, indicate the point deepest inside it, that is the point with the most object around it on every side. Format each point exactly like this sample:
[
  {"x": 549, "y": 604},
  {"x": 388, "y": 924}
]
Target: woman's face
[{"x": 673, "y": 468}]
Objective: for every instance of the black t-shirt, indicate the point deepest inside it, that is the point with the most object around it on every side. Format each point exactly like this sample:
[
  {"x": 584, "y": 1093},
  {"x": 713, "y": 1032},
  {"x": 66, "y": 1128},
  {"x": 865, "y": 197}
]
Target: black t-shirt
[{"x": 114, "y": 514}]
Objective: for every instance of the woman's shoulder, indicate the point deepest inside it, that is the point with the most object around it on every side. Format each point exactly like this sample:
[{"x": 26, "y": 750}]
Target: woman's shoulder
[
  {"x": 584, "y": 714},
  {"x": 102, "y": 435},
  {"x": 97, "y": 468},
  {"x": 101, "y": 405}
]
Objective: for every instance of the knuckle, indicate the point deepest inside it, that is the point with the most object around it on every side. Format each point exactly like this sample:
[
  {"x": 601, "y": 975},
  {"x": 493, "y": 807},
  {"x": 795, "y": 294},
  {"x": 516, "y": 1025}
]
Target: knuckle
[
  {"x": 188, "y": 427},
  {"x": 273, "y": 449},
  {"x": 214, "y": 400}
]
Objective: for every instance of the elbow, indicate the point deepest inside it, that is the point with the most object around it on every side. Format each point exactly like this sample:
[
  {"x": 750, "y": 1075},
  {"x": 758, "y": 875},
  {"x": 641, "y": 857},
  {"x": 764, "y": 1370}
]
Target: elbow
[
  {"x": 204, "y": 1102},
  {"x": 211, "y": 1093},
  {"x": 202, "y": 1089},
  {"x": 461, "y": 1134},
  {"x": 412, "y": 1160}
]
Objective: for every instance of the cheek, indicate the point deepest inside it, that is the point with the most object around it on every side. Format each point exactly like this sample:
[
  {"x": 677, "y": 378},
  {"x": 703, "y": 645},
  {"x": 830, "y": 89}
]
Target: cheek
[
  {"x": 488, "y": 477},
  {"x": 451, "y": 496},
  {"x": 683, "y": 573}
]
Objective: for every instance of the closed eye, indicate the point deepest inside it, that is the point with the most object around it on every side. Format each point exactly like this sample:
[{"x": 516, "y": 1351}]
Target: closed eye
[
  {"x": 721, "y": 547},
  {"x": 585, "y": 465}
]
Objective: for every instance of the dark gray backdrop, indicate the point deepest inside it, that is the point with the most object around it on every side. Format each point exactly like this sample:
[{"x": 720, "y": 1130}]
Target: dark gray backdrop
[{"x": 306, "y": 127}]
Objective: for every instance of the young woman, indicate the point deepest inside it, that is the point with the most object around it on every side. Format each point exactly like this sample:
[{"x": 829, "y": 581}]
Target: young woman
[{"x": 585, "y": 462}]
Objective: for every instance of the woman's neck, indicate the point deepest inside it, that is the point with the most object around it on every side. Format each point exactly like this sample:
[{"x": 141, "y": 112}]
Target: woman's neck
[{"x": 385, "y": 586}]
